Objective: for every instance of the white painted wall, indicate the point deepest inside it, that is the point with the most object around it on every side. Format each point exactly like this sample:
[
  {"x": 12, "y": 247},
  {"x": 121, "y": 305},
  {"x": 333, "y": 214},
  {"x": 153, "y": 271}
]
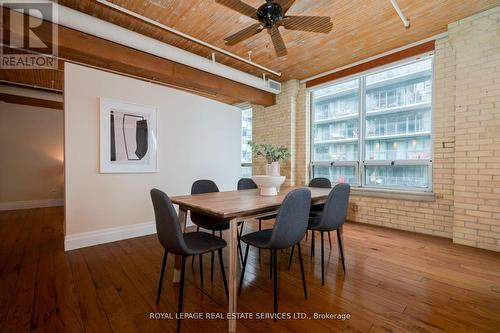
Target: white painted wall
[
  {"x": 197, "y": 138},
  {"x": 31, "y": 156}
]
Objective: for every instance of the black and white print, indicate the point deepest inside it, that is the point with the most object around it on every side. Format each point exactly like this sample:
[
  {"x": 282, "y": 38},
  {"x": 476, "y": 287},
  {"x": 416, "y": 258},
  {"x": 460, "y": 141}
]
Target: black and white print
[{"x": 129, "y": 139}]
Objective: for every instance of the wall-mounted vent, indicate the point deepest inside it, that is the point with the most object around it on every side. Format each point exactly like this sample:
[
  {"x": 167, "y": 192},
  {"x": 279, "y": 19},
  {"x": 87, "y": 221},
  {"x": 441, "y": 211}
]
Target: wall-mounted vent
[{"x": 275, "y": 86}]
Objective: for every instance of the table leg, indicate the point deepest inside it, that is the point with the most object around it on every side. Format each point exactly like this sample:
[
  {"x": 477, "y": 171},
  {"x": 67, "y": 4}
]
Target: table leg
[
  {"x": 341, "y": 233},
  {"x": 178, "y": 259},
  {"x": 233, "y": 257}
]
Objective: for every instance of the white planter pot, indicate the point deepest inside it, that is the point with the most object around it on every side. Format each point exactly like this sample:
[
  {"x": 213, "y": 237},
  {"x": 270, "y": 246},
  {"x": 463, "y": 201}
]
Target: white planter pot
[
  {"x": 273, "y": 169},
  {"x": 268, "y": 185}
]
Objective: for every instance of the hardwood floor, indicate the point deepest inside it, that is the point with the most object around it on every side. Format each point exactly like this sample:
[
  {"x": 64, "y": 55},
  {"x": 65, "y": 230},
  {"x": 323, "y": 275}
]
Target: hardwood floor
[{"x": 395, "y": 282}]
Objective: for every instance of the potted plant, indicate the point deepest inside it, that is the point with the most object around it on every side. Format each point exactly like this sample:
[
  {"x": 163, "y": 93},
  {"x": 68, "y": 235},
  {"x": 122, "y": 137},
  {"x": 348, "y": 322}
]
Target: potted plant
[{"x": 273, "y": 155}]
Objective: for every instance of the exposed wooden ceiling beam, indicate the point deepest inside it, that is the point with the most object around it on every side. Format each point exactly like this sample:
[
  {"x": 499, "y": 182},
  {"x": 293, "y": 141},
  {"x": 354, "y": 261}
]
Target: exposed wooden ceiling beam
[
  {"x": 25, "y": 100},
  {"x": 85, "y": 49}
]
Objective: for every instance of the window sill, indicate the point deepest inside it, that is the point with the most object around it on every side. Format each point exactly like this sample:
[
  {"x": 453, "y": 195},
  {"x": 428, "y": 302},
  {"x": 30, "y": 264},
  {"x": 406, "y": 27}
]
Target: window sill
[{"x": 393, "y": 194}]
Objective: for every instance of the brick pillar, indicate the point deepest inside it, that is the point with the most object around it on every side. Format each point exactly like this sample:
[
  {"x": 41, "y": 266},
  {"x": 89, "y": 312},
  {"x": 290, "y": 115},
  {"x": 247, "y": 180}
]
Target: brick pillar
[
  {"x": 276, "y": 125},
  {"x": 476, "y": 43}
]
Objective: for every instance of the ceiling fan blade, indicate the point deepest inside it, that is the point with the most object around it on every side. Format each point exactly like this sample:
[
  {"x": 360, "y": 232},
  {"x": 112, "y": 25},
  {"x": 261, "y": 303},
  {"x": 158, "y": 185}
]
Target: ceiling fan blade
[
  {"x": 321, "y": 24},
  {"x": 243, "y": 34},
  {"x": 240, "y": 7},
  {"x": 285, "y": 4},
  {"x": 279, "y": 44}
]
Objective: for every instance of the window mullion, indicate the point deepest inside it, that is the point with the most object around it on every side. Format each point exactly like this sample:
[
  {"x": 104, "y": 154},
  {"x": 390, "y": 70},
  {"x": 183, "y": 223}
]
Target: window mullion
[{"x": 362, "y": 129}]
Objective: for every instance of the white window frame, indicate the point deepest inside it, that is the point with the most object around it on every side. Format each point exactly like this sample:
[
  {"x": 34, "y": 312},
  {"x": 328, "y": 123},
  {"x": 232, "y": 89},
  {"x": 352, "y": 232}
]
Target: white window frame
[
  {"x": 246, "y": 107},
  {"x": 361, "y": 163}
]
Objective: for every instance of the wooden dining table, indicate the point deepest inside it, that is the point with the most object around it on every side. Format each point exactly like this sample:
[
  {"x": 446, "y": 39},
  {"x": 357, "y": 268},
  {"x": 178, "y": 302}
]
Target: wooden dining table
[{"x": 235, "y": 206}]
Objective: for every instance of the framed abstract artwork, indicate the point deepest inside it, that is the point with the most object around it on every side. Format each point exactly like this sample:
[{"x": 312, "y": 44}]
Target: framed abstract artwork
[{"x": 128, "y": 138}]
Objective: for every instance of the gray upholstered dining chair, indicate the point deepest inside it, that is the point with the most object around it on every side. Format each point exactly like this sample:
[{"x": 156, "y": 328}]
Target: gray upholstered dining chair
[
  {"x": 332, "y": 218},
  {"x": 288, "y": 231},
  {"x": 207, "y": 222},
  {"x": 184, "y": 244},
  {"x": 317, "y": 209},
  {"x": 246, "y": 184}
]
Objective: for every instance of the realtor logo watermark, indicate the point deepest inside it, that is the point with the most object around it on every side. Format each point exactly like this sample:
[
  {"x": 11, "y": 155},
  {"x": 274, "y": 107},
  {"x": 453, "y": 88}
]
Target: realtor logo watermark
[{"x": 28, "y": 37}]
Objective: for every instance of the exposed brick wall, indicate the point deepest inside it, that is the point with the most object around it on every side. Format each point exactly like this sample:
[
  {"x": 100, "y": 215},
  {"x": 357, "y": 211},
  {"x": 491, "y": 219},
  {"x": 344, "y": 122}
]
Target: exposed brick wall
[
  {"x": 476, "y": 43},
  {"x": 276, "y": 125},
  {"x": 466, "y": 141},
  {"x": 435, "y": 218}
]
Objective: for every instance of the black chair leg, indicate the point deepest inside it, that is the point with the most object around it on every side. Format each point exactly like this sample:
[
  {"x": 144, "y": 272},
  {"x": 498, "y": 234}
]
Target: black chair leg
[
  {"x": 243, "y": 269},
  {"x": 275, "y": 270},
  {"x": 212, "y": 263},
  {"x": 322, "y": 260},
  {"x": 341, "y": 247},
  {"x": 223, "y": 272},
  {"x": 260, "y": 228},
  {"x": 181, "y": 294},
  {"x": 330, "y": 240},
  {"x": 241, "y": 229},
  {"x": 302, "y": 271},
  {"x": 200, "y": 259},
  {"x": 192, "y": 260},
  {"x": 240, "y": 250},
  {"x": 271, "y": 264},
  {"x": 162, "y": 273},
  {"x": 291, "y": 256}
]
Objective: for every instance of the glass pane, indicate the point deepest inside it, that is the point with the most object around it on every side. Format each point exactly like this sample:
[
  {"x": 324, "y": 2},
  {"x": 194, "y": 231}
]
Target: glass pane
[
  {"x": 336, "y": 123},
  {"x": 398, "y": 113},
  {"x": 337, "y": 174},
  {"x": 411, "y": 148},
  {"x": 246, "y": 135},
  {"x": 246, "y": 171},
  {"x": 397, "y": 176}
]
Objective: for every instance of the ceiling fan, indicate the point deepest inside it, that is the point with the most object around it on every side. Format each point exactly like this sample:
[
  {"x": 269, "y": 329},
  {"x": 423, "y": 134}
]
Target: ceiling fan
[{"x": 271, "y": 15}]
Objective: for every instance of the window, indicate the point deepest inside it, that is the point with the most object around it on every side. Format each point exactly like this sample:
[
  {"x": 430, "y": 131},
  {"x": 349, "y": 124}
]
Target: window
[
  {"x": 246, "y": 138},
  {"x": 374, "y": 130}
]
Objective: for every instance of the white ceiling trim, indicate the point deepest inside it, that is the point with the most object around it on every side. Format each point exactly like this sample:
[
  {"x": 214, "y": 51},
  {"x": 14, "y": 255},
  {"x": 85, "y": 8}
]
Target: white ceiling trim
[{"x": 185, "y": 36}]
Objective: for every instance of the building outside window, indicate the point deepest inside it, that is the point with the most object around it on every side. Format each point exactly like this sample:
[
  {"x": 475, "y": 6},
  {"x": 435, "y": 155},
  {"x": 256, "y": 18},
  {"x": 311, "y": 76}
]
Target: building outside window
[
  {"x": 246, "y": 138},
  {"x": 374, "y": 129}
]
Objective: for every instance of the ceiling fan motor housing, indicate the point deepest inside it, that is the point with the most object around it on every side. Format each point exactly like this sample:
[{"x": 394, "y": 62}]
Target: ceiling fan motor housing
[{"x": 269, "y": 14}]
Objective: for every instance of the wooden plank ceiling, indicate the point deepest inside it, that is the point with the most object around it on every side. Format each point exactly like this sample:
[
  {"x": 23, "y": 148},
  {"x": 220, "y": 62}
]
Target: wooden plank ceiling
[{"x": 361, "y": 28}]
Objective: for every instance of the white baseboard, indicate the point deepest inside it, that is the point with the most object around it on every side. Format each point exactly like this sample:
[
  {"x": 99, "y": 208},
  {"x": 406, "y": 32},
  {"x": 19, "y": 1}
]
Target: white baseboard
[
  {"x": 15, "y": 205},
  {"x": 84, "y": 239}
]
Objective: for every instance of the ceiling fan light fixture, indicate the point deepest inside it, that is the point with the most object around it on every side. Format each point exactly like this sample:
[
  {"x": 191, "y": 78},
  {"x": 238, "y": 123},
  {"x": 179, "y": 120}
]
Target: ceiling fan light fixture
[{"x": 269, "y": 14}]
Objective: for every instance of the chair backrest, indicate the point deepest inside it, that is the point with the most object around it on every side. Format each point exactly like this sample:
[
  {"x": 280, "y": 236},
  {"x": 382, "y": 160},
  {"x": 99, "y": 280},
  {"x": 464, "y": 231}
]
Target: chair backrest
[
  {"x": 320, "y": 182},
  {"x": 246, "y": 184},
  {"x": 336, "y": 206},
  {"x": 199, "y": 187},
  {"x": 168, "y": 228},
  {"x": 292, "y": 219},
  {"x": 204, "y": 186}
]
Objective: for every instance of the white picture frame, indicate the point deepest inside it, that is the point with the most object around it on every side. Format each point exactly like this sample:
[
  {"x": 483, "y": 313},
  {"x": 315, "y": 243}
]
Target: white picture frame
[{"x": 133, "y": 147}]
